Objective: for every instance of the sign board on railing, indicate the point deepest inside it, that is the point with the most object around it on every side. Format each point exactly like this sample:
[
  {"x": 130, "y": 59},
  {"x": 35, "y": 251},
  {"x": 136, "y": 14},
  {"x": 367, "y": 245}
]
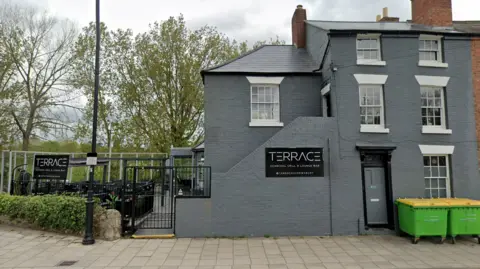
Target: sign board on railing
[{"x": 51, "y": 166}]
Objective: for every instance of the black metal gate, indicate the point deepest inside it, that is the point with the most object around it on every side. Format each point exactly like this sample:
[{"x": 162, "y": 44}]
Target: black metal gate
[{"x": 148, "y": 195}]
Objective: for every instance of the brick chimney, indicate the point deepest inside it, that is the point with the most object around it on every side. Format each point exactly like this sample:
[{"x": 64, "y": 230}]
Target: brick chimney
[
  {"x": 385, "y": 18},
  {"x": 298, "y": 27},
  {"x": 432, "y": 12}
]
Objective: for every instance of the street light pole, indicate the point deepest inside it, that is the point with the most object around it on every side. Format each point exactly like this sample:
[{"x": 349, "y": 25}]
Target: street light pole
[{"x": 88, "y": 238}]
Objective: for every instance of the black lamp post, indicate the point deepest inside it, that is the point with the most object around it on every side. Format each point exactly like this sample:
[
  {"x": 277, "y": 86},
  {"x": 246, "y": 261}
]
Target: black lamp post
[{"x": 88, "y": 238}]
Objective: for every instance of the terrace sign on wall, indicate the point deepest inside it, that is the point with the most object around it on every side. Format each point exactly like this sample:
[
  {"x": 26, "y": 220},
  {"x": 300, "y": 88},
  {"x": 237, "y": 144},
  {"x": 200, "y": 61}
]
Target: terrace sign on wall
[
  {"x": 51, "y": 166},
  {"x": 294, "y": 162}
]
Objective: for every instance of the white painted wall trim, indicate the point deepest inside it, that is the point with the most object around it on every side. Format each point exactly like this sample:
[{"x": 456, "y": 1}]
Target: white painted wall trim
[
  {"x": 374, "y": 129},
  {"x": 371, "y": 62},
  {"x": 259, "y": 123},
  {"x": 265, "y": 80},
  {"x": 430, "y": 37},
  {"x": 326, "y": 89},
  {"x": 435, "y": 130},
  {"x": 371, "y": 79},
  {"x": 432, "y": 64},
  {"x": 435, "y": 81},
  {"x": 436, "y": 150},
  {"x": 372, "y": 35}
]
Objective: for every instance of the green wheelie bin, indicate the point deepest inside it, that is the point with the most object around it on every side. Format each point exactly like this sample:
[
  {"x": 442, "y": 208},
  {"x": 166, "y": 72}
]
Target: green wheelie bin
[
  {"x": 464, "y": 218},
  {"x": 423, "y": 217}
]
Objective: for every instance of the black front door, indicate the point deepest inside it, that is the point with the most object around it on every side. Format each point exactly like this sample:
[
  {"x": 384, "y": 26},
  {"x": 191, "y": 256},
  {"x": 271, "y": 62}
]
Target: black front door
[{"x": 377, "y": 186}]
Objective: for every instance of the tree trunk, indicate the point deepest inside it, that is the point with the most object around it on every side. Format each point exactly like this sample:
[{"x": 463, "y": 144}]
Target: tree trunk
[{"x": 25, "y": 143}]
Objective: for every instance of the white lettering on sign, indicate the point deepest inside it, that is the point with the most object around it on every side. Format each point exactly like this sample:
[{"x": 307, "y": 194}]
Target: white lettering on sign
[
  {"x": 52, "y": 162},
  {"x": 285, "y": 156}
]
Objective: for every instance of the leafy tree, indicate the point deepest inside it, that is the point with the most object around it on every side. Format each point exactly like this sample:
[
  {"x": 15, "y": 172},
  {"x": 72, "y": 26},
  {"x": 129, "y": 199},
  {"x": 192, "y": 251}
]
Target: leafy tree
[
  {"x": 82, "y": 77},
  {"x": 150, "y": 88},
  {"x": 38, "y": 45},
  {"x": 6, "y": 91}
]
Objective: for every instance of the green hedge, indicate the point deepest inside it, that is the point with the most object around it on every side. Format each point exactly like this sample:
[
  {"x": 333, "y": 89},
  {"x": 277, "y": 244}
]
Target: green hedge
[{"x": 55, "y": 212}]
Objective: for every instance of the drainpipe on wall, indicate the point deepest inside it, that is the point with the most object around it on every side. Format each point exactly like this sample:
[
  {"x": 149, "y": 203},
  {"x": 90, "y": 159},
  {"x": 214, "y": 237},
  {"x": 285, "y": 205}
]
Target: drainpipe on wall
[{"x": 330, "y": 187}]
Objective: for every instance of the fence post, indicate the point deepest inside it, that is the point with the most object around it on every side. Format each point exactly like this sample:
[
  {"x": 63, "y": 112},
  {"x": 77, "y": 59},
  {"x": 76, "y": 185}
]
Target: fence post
[
  {"x": 121, "y": 165},
  {"x": 14, "y": 164},
  {"x": 134, "y": 197},
  {"x": 151, "y": 164},
  {"x": 70, "y": 174},
  {"x": 33, "y": 170},
  {"x": 2, "y": 169},
  {"x": 9, "y": 172}
]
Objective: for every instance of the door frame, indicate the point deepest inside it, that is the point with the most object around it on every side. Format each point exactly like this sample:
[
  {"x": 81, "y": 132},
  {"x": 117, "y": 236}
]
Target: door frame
[{"x": 386, "y": 152}]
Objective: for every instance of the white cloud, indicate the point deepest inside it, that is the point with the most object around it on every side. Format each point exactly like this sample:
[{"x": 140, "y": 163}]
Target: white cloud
[{"x": 242, "y": 20}]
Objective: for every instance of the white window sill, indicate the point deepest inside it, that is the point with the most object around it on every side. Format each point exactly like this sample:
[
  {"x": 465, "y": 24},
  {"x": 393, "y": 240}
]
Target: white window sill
[
  {"x": 432, "y": 64},
  {"x": 266, "y": 124},
  {"x": 374, "y": 129},
  {"x": 434, "y": 130},
  {"x": 371, "y": 62}
]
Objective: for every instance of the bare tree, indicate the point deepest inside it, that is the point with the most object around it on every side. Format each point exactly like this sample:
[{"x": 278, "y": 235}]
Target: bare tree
[{"x": 39, "y": 46}]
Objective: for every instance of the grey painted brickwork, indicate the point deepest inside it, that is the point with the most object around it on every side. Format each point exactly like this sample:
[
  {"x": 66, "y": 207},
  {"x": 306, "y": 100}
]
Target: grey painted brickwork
[
  {"x": 227, "y": 115},
  {"x": 403, "y": 118},
  {"x": 193, "y": 217},
  {"x": 244, "y": 202}
]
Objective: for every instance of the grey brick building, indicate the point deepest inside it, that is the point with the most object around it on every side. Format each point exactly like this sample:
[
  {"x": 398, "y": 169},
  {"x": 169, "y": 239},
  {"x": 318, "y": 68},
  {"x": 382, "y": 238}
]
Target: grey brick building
[{"x": 387, "y": 105}]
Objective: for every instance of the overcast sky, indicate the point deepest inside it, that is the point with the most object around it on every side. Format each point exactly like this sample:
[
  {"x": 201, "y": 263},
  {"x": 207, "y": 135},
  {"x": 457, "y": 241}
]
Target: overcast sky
[{"x": 242, "y": 20}]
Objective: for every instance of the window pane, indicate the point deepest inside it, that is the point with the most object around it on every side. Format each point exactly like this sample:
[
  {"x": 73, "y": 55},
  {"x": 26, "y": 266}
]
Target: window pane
[
  {"x": 376, "y": 98},
  {"x": 442, "y": 160},
  {"x": 443, "y": 172},
  {"x": 426, "y": 160},
  {"x": 442, "y": 193},
  {"x": 434, "y": 44},
  {"x": 424, "y": 112},
  {"x": 363, "y": 111},
  {"x": 427, "y": 183},
  {"x": 438, "y": 121},
  {"x": 360, "y": 54},
  {"x": 427, "y": 193},
  {"x": 426, "y": 172},
  {"x": 422, "y": 44},
  {"x": 434, "y": 183},
  {"x": 434, "y": 193},
  {"x": 373, "y": 54},
  {"x": 434, "y": 160},
  {"x": 442, "y": 183},
  {"x": 254, "y": 90},
  {"x": 424, "y": 121},
  {"x": 268, "y": 98},
  {"x": 254, "y": 98},
  {"x": 434, "y": 172}
]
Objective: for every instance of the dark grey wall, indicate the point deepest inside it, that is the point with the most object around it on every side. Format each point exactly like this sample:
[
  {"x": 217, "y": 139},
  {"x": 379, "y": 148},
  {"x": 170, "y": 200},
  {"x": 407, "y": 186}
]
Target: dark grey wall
[
  {"x": 228, "y": 137},
  {"x": 193, "y": 217},
  {"x": 402, "y": 106},
  {"x": 246, "y": 203}
]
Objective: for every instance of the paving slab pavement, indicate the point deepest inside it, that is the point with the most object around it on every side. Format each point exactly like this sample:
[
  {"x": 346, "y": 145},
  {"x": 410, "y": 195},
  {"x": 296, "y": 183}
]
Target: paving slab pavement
[{"x": 28, "y": 249}]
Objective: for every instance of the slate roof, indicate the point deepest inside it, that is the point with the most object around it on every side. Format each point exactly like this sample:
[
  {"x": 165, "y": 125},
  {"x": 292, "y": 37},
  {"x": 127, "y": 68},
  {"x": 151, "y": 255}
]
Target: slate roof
[
  {"x": 269, "y": 59},
  {"x": 459, "y": 27},
  {"x": 467, "y": 26}
]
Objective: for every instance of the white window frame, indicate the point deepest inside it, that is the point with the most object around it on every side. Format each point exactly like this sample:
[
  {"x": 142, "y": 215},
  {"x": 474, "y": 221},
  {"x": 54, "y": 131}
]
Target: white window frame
[
  {"x": 447, "y": 176},
  {"x": 269, "y": 82},
  {"x": 378, "y": 61},
  {"x": 435, "y": 82},
  {"x": 439, "y": 62},
  {"x": 373, "y": 80}
]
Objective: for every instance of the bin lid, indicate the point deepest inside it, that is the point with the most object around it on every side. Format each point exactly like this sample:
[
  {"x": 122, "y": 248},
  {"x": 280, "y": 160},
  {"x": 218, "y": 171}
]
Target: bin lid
[
  {"x": 423, "y": 202},
  {"x": 461, "y": 202}
]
